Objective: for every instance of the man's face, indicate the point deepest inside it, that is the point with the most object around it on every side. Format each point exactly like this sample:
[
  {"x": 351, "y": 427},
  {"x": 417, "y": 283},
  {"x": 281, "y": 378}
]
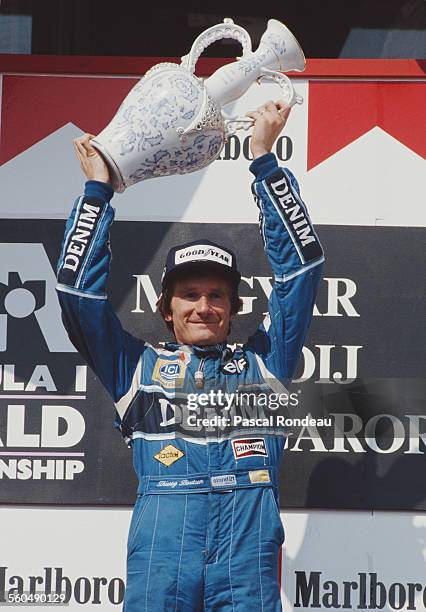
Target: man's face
[{"x": 200, "y": 310}]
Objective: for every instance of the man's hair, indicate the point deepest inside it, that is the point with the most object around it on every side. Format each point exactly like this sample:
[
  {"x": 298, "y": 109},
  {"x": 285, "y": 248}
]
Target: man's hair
[{"x": 165, "y": 299}]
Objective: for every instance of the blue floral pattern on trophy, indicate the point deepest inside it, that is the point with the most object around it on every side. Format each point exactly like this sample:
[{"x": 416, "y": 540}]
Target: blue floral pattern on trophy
[
  {"x": 166, "y": 103},
  {"x": 180, "y": 160},
  {"x": 156, "y": 108},
  {"x": 249, "y": 65},
  {"x": 276, "y": 42}
]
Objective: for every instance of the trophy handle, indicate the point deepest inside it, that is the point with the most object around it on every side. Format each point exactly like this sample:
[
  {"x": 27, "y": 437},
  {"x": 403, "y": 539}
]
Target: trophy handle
[
  {"x": 290, "y": 97},
  {"x": 227, "y": 29}
]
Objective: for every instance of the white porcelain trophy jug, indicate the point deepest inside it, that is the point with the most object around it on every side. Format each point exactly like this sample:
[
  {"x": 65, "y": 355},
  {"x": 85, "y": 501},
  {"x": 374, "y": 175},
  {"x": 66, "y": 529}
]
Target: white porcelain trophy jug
[{"x": 172, "y": 121}]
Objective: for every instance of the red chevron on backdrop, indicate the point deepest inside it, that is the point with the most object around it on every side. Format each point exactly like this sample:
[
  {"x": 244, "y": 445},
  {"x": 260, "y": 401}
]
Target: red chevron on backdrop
[
  {"x": 341, "y": 112},
  {"x": 35, "y": 106}
]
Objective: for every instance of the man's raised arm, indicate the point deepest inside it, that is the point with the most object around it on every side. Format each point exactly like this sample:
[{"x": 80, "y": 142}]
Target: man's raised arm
[
  {"x": 292, "y": 246},
  {"x": 82, "y": 273}
]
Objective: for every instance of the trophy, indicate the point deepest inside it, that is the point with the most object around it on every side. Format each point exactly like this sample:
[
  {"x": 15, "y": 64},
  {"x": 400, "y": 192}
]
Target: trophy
[{"x": 172, "y": 122}]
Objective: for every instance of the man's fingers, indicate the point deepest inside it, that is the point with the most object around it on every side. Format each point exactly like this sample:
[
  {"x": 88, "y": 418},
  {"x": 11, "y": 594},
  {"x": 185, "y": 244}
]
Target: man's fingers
[
  {"x": 83, "y": 147},
  {"x": 283, "y": 110},
  {"x": 272, "y": 111},
  {"x": 281, "y": 105},
  {"x": 87, "y": 146},
  {"x": 253, "y": 115},
  {"x": 90, "y": 148},
  {"x": 83, "y": 138},
  {"x": 83, "y": 141},
  {"x": 270, "y": 107},
  {"x": 79, "y": 149},
  {"x": 90, "y": 159}
]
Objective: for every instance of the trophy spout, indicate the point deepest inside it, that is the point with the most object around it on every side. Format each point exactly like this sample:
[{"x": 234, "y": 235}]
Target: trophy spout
[{"x": 287, "y": 49}]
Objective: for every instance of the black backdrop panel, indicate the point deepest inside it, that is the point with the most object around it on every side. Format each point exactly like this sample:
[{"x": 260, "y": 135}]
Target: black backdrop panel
[{"x": 364, "y": 364}]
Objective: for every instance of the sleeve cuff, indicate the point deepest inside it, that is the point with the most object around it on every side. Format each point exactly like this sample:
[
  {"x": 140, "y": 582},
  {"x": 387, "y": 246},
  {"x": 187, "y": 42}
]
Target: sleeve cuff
[
  {"x": 263, "y": 166},
  {"x": 98, "y": 189}
]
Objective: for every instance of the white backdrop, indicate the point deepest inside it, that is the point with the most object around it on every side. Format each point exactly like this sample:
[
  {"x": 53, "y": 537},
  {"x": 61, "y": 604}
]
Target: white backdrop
[{"x": 88, "y": 544}]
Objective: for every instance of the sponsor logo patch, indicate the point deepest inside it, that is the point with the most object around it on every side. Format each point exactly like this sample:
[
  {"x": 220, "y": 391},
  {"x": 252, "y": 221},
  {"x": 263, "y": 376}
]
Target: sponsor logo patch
[
  {"x": 259, "y": 476},
  {"x": 296, "y": 217},
  {"x": 168, "y": 455},
  {"x": 169, "y": 373},
  {"x": 79, "y": 242},
  {"x": 203, "y": 252},
  {"x": 249, "y": 447},
  {"x": 236, "y": 366},
  {"x": 227, "y": 480}
]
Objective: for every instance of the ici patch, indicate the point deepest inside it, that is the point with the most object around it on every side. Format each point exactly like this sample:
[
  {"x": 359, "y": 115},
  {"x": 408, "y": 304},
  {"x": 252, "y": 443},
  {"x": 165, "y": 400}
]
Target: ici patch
[{"x": 169, "y": 373}]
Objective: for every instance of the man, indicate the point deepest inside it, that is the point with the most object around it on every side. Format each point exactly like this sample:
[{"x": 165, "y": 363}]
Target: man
[{"x": 206, "y": 529}]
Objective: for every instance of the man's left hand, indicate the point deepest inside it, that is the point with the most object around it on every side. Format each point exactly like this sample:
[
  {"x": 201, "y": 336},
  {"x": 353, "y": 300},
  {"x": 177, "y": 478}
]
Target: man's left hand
[{"x": 269, "y": 120}]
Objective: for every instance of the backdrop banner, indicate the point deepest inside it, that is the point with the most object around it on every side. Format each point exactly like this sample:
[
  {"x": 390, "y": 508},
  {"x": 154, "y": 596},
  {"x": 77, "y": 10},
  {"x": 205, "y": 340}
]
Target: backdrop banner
[{"x": 363, "y": 363}]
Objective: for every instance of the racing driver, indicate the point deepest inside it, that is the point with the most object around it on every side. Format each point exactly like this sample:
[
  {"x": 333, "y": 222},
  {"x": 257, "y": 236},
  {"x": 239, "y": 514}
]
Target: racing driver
[{"x": 206, "y": 530}]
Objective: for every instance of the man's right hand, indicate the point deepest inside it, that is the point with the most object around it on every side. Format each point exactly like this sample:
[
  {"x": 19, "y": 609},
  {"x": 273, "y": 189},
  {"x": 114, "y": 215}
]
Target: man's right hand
[
  {"x": 269, "y": 120},
  {"x": 91, "y": 162}
]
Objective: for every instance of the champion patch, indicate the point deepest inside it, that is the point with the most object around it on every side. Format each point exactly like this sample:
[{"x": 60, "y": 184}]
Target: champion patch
[
  {"x": 169, "y": 373},
  {"x": 236, "y": 366},
  {"x": 169, "y": 454},
  {"x": 295, "y": 215},
  {"x": 249, "y": 447}
]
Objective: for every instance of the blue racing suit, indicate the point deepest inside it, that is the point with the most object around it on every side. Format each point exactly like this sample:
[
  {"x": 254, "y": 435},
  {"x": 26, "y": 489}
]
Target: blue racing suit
[{"x": 206, "y": 530}]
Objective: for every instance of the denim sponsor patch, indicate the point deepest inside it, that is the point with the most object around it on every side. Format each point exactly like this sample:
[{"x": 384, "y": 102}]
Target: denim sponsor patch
[{"x": 295, "y": 216}]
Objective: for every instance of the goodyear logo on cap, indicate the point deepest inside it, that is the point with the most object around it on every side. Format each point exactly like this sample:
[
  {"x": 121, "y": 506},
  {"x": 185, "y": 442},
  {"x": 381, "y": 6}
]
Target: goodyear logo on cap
[{"x": 203, "y": 252}]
